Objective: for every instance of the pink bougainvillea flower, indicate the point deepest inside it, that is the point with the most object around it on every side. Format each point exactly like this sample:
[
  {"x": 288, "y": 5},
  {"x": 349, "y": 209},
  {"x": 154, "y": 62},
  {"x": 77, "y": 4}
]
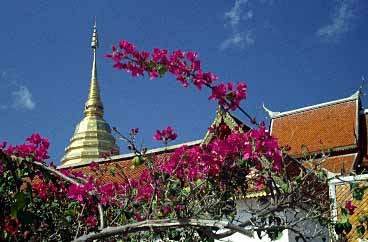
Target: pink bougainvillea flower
[
  {"x": 166, "y": 209},
  {"x": 93, "y": 166},
  {"x": 259, "y": 184},
  {"x": 11, "y": 225},
  {"x": 34, "y": 139},
  {"x": 91, "y": 221},
  {"x": 76, "y": 192},
  {"x": 138, "y": 217},
  {"x": 157, "y": 135},
  {"x": 3, "y": 145},
  {"x": 127, "y": 46},
  {"x": 192, "y": 56},
  {"x": 134, "y": 131},
  {"x": 183, "y": 80},
  {"x": 165, "y": 135},
  {"x": 350, "y": 207},
  {"x": 153, "y": 74}
]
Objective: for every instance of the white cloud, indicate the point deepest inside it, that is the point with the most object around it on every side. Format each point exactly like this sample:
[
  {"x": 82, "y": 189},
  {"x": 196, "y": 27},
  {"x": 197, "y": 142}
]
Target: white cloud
[
  {"x": 234, "y": 14},
  {"x": 17, "y": 96},
  {"x": 238, "y": 40},
  {"x": 23, "y": 98},
  {"x": 341, "y": 23},
  {"x": 233, "y": 18},
  {"x": 248, "y": 15},
  {"x": 235, "y": 40},
  {"x": 249, "y": 38}
]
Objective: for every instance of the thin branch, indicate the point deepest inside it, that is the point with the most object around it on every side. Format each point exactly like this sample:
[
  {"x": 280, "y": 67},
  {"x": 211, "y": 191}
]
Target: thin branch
[
  {"x": 79, "y": 222},
  {"x": 161, "y": 225}
]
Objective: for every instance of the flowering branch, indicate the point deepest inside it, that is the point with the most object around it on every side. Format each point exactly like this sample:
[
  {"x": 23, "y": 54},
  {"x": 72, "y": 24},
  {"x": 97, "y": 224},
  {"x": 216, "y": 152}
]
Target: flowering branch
[
  {"x": 185, "y": 66},
  {"x": 72, "y": 181}
]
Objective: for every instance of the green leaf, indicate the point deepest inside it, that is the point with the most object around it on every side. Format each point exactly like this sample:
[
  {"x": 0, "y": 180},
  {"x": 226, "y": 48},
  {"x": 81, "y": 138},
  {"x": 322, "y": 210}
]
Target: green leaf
[
  {"x": 358, "y": 194},
  {"x": 185, "y": 192},
  {"x": 227, "y": 195},
  {"x": 344, "y": 215},
  {"x": 363, "y": 219},
  {"x": 321, "y": 175},
  {"x": 19, "y": 203},
  {"x": 339, "y": 227},
  {"x": 165, "y": 175},
  {"x": 2, "y": 188},
  {"x": 353, "y": 185},
  {"x": 137, "y": 161},
  {"x": 25, "y": 217},
  {"x": 151, "y": 65},
  {"x": 112, "y": 171},
  {"x": 298, "y": 179},
  {"x": 284, "y": 187},
  {"x": 347, "y": 227},
  {"x": 123, "y": 218},
  {"x": 161, "y": 70},
  {"x": 360, "y": 229},
  {"x": 274, "y": 234}
]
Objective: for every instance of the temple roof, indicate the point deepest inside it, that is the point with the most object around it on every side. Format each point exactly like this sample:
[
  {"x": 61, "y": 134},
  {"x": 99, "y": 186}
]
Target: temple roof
[{"x": 331, "y": 126}]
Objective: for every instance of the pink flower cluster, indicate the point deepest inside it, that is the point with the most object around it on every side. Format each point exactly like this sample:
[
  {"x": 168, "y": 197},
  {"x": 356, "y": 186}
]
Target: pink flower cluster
[
  {"x": 90, "y": 221},
  {"x": 49, "y": 190},
  {"x": 104, "y": 192},
  {"x": 226, "y": 96},
  {"x": 81, "y": 193},
  {"x": 350, "y": 207},
  {"x": 207, "y": 161},
  {"x": 36, "y": 147},
  {"x": 165, "y": 135},
  {"x": 217, "y": 161},
  {"x": 185, "y": 66}
]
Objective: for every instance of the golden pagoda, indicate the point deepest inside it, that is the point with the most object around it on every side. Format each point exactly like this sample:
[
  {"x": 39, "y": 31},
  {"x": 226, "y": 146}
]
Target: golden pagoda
[{"x": 92, "y": 136}]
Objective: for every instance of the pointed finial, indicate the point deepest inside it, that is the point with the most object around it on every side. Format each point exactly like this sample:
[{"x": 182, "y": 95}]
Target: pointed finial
[
  {"x": 94, "y": 105},
  {"x": 269, "y": 112},
  {"x": 94, "y": 41},
  {"x": 357, "y": 94}
]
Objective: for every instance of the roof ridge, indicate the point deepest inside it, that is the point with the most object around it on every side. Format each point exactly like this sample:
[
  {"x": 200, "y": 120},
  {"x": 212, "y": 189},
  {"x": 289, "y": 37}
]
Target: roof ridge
[
  {"x": 355, "y": 96},
  {"x": 131, "y": 155}
]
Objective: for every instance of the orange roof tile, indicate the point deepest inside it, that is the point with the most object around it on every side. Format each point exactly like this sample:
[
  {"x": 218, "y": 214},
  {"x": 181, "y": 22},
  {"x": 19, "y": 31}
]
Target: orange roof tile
[
  {"x": 118, "y": 168},
  {"x": 111, "y": 171},
  {"x": 330, "y": 125},
  {"x": 336, "y": 164}
]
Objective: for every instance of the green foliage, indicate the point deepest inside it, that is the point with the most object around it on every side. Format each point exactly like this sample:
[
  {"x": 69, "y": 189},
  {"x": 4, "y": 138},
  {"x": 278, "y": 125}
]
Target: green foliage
[
  {"x": 358, "y": 193},
  {"x": 137, "y": 161},
  {"x": 343, "y": 227},
  {"x": 360, "y": 230},
  {"x": 161, "y": 70}
]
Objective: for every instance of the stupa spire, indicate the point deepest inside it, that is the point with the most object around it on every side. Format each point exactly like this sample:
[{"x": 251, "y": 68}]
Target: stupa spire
[
  {"x": 94, "y": 105},
  {"x": 92, "y": 136}
]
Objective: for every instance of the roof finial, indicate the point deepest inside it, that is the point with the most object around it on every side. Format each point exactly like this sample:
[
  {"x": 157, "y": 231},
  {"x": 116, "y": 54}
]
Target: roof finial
[
  {"x": 361, "y": 88},
  {"x": 269, "y": 112},
  {"x": 94, "y": 104}
]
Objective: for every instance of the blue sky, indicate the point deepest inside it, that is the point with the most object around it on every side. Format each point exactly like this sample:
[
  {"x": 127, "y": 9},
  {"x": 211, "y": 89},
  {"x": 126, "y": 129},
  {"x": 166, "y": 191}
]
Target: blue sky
[{"x": 290, "y": 53}]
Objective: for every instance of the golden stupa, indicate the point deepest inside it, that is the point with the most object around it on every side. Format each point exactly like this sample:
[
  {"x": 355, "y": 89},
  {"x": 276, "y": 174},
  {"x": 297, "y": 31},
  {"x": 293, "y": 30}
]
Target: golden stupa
[{"x": 92, "y": 136}]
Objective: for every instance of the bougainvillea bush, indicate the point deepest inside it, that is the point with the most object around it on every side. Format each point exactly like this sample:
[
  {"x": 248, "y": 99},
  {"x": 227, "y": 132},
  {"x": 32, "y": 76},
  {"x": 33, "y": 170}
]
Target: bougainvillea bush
[{"x": 191, "y": 194}]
